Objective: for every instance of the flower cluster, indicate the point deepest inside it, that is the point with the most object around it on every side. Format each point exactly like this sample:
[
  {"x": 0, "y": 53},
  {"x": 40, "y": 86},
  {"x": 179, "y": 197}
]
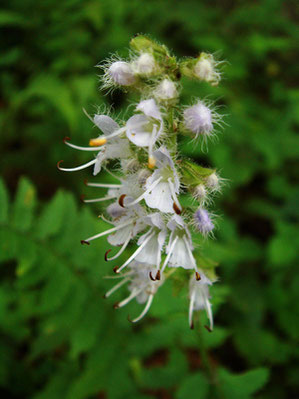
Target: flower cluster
[{"x": 146, "y": 205}]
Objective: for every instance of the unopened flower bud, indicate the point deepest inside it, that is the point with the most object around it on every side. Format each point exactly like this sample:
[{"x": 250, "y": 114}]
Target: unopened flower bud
[
  {"x": 212, "y": 182},
  {"x": 122, "y": 73},
  {"x": 166, "y": 90},
  {"x": 145, "y": 64},
  {"x": 198, "y": 119},
  {"x": 200, "y": 192},
  {"x": 203, "y": 221},
  {"x": 204, "y": 69}
]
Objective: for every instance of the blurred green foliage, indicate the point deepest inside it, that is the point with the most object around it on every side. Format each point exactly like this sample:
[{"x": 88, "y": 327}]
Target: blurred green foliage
[{"x": 58, "y": 337}]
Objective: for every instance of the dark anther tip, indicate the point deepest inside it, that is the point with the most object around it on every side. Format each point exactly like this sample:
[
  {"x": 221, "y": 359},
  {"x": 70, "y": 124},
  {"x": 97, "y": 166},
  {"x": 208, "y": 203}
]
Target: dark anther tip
[
  {"x": 121, "y": 200},
  {"x": 176, "y": 209},
  {"x": 192, "y": 326},
  {"x": 66, "y": 139},
  {"x": 59, "y": 163},
  {"x": 106, "y": 255},
  {"x": 129, "y": 319},
  {"x": 115, "y": 306},
  {"x": 104, "y": 296},
  {"x": 84, "y": 242},
  {"x": 158, "y": 275},
  {"x": 151, "y": 276},
  {"x": 82, "y": 196},
  {"x": 197, "y": 276},
  {"x": 208, "y": 328},
  {"x": 115, "y": 269},
  {"x": 85, "y": 182}
]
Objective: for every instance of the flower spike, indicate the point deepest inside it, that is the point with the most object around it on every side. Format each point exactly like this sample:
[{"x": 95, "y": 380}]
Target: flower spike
[{"x": 160, "y": 202}]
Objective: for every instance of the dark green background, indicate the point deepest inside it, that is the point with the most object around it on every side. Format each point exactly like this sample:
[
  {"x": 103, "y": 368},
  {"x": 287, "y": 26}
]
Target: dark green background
[{"x": 58, "y": 337}]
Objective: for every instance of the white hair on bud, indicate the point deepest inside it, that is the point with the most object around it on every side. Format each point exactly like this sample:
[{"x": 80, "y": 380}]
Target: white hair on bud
[
  {"x": 166, "y": 90},
  {"x": 145, "y": 64},
  {"x": 122, "y": 73}
]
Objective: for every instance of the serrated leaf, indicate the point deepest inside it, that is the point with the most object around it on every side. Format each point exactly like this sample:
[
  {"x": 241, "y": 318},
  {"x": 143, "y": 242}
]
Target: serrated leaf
[{"x": 242, "y": 386}]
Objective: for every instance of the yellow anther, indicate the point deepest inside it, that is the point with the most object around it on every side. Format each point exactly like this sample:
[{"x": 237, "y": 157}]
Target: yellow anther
[
  {"x": 151, "y": 162},
  {"x": 97, "y": 142}
]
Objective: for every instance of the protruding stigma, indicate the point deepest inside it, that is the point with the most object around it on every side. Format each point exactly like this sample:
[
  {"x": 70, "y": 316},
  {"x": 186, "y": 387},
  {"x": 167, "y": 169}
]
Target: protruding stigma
[
  {"x": 59, "y": 163},
  {"x": 85, "y": 242},
  {"x": 208, "y": 328},
  {"x": 66, "y": 139},
  {"x": 151, "y": 276},
  {"x": 97, "y": 142},
  {"x": 177, "y": 210},
  {"x": 115, "y": 269},
  {"x": 106, "y": 255},
  {"x": 121, "y": 200}
]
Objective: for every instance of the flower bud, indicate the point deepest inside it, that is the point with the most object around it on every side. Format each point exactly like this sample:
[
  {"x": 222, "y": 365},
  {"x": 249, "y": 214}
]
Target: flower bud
[
  {"x": 166, "y": 90},
  {"x": 198, "y": 119},
  {"x": 122, "y": 73},
  {"x": 204, "y": 69},
  {"x": 203, "y": 221},
  {"x": 200, "y": 192},
  {"x": 145, "y": 64},
  {"x": 212, "y": 182}
]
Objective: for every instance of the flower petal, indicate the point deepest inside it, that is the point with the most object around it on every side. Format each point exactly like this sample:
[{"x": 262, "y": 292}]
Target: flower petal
[{"x": 105, "y": 123}]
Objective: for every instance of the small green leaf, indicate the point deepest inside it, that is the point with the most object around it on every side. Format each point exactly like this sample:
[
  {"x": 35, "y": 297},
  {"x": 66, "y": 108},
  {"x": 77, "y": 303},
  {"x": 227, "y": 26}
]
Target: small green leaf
[
  {"x": 242, "y": 386},
  {"x": 195, "y": 385}
]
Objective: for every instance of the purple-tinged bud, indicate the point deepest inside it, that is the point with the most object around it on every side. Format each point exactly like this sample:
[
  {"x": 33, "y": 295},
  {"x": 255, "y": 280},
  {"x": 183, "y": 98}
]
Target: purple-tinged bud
[
  {"x": 198, "y": 119},
  {"x": 203, "y": 221},
  {"x": 122, "y": 73}
]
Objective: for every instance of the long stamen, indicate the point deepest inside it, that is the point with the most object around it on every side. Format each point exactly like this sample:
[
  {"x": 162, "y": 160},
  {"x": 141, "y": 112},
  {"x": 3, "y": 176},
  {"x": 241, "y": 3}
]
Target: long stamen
[
  {"x": 86, "y": 165},
  {"x": 173, "y": 193},
  {"x": 103, "y": 185},
  {"x": 145, "y": 310},
  {"x": 140, "y": 198},
  {"x": 191, "y": 307},
  {"x": 133, "y": 295},
  {"x": 77, "y": 147},
  {"x": 116, "y": 287},
  {"x": 190, "y": 253},
  {"x": 101, "y": 199},
  {"x": 124, "y": 246},
  {"x": 209, "y": 312},
  {"x": 169, "y": 254},
  {"x": 139, "y": 249},
  {"x": 104, "y": 233}
]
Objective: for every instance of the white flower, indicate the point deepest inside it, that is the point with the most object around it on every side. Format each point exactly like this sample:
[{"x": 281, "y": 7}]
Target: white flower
[
  {"x": 200, "y": 193},
  {"x": 199, "y": 119},
  {"x": 116, "y": 148},
  {"x": 163, "y": 185},
  {"x": 179, "y": 248},
  {"x": 144, "y": 129},
  {"x": 151, "y": 253},
  {"x": 139, "y": 285},
  {"x": 121, "y": 73},
  {"x": 205, "y": 70},
  {"x": 166, "y": 90},
  {"x": 145, "y": 64},
  {"x": 199, "y": 298}
]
